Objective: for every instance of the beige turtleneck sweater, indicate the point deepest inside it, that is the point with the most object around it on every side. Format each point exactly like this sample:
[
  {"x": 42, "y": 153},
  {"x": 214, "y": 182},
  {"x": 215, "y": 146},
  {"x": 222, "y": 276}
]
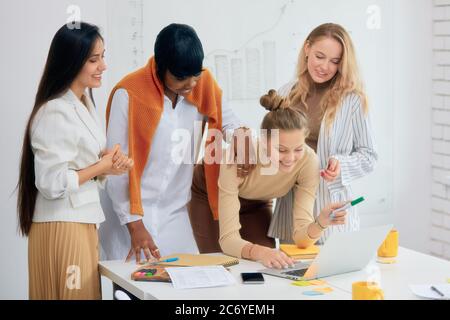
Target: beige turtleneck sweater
[
  {"x": 304, "y": 177},
  {"x": 314, "y": 113}
]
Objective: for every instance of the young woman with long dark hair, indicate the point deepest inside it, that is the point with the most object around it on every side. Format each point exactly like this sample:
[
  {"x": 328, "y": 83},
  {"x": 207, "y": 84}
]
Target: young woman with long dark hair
[{"x": 63, "y": 162}]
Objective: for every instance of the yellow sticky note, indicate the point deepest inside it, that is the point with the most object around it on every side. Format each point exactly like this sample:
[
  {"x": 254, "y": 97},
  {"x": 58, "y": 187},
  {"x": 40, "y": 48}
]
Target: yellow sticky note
[
  {"x": 301, "y": 283},
  {"x": 448, "y": 280},
  {"x": 386, "y": 260},
  {"x": 324, "y": 290},
  {"x": 318, "y": 282}
]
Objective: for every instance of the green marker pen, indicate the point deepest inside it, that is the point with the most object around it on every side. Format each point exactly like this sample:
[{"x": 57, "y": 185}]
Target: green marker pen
[{"x": 347, "y": 206}]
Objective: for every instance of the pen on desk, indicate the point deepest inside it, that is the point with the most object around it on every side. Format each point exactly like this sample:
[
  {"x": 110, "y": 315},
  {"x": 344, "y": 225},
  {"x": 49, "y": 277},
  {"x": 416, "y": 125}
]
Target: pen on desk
[
  {"x": 169, "y": 260},
  {"x": 165, "y": 260},
  {"x": 347, "y": 206},
  {"x": 437, "y": 291}
]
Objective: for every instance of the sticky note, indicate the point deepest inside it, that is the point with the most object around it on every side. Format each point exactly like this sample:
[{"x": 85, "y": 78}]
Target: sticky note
[
  {"x": 312, "y": 293},
  {"x": 386, "y": 260},
  {"x": 318, "y": 282},
  {"x": 301, "y": 283},
  {"x": 324, "y": 290},
  {"x": 448, "y": 280}
]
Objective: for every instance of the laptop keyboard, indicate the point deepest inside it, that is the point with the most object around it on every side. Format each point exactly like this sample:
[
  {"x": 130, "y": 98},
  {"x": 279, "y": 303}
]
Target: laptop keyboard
[{"x": 297, "y": 273}]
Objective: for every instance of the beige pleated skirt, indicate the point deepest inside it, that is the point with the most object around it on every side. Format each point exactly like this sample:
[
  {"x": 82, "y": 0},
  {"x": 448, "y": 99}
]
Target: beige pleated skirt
[{"x": 63, "y": 261}]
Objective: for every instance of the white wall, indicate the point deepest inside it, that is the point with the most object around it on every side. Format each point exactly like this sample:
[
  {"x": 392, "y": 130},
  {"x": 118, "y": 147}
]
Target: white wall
[
  {"x": 28, "y": 26},
  {"x": 411, "y": 136},
  {"x": 440, "y": 132}
]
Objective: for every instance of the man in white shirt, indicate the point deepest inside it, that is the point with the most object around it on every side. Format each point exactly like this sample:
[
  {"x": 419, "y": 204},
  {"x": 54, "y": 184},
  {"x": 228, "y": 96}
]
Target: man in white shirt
[{"x": 165, "y": 183}]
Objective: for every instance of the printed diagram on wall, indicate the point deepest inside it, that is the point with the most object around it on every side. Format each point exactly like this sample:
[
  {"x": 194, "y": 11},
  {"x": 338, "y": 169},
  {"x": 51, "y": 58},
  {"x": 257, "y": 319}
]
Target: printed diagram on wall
[
  {"x": 126, "y": 39},
  {"x": 136, "y": 21},
  {"x": 137, "y": 29},
  {"x": 243, "y": 73}
]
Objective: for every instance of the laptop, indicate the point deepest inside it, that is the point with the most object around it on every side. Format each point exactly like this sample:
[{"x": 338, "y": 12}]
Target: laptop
[{"x": 342, "y": 252}]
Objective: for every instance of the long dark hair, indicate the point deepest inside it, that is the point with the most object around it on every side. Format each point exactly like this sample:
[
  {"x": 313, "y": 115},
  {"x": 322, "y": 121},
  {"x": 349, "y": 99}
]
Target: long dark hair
[{"x": 69, "y": 51}]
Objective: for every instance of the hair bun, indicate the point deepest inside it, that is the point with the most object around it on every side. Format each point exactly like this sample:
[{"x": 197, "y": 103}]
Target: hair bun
[{"x": 272, "y": 101}]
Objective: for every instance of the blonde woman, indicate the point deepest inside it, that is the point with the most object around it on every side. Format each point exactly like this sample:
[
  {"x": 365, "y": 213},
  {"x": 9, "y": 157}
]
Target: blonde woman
[
  {"x": 328, "y": 89},
  {"x": 243, "y": 222},
  {"x": 290, "y": 164}
]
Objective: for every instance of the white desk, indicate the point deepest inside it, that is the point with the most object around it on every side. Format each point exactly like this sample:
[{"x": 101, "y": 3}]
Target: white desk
[{"x": 411, "y": 268}]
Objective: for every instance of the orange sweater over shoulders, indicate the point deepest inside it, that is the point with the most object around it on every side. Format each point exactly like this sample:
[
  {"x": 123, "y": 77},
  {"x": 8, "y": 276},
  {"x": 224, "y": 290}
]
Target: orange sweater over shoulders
[{"x": 146, "y": 103}]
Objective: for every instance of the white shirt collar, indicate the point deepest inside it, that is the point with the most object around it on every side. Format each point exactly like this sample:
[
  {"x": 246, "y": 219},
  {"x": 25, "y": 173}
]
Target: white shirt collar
[{"x": 179, "y": 99}]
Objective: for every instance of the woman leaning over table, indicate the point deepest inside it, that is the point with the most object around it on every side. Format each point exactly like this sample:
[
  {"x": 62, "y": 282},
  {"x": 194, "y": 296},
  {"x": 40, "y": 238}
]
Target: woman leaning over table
[
  {"x": 285, "y": 162},
  {"x": 63, "y": 162}
]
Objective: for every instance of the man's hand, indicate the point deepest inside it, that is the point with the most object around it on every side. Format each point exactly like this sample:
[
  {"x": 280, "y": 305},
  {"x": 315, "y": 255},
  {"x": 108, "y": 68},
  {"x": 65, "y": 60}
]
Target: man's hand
[{"x": 141, "y": 240}]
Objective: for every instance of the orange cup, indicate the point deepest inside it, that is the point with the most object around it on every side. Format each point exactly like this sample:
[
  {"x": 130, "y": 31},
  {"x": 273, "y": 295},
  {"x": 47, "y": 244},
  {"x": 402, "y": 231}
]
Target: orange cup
[
  {"x": 365, "y": 290},
  {"x": 389, "y": 248}
]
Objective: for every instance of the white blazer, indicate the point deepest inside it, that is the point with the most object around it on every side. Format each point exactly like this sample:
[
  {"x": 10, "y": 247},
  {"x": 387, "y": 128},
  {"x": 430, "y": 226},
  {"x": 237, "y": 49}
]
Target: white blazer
[{"x": 66, "y": 136}]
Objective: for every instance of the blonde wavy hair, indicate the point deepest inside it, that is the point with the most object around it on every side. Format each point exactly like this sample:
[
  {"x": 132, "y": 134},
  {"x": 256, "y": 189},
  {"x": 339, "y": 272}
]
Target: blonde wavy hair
[{"x": 347, "y": 79}]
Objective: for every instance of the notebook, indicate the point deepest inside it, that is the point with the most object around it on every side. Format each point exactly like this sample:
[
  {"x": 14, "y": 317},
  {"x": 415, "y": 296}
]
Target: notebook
[
  {"x": 196, "y": 260},
  {"x": 296, "y": 253}
]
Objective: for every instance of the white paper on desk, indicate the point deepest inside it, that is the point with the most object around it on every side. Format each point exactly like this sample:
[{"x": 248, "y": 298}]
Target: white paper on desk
[
  {"x": 424, "y": 291},
  {"x": 200, "y": 277}
]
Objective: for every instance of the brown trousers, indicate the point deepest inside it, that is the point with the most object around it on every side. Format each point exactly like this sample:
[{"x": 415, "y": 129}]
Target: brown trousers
[{"x": 254, "y": 216}]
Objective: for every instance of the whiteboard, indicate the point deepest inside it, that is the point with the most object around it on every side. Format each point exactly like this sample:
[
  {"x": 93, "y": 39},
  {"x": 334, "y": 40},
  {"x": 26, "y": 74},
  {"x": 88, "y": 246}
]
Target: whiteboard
[{"x": 252, "y": 46}]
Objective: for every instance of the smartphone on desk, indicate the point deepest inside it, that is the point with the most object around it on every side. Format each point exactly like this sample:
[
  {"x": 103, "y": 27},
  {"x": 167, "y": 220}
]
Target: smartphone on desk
[{"x": 252, "y": 277}]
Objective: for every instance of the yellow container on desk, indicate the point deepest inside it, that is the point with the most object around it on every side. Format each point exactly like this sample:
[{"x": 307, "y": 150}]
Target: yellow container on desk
[
  {"x": 365, "y": 290},
  {"x": 389, "y": 248}
]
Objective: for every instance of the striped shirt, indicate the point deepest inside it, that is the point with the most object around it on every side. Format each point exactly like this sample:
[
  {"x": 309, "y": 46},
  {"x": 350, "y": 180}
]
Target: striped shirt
[{"x": 350, "y": 140}]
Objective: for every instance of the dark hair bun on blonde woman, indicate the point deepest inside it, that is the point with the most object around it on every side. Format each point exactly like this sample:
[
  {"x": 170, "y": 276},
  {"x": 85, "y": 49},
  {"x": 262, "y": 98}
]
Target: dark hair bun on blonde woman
[{"x": 272, "y": 101}]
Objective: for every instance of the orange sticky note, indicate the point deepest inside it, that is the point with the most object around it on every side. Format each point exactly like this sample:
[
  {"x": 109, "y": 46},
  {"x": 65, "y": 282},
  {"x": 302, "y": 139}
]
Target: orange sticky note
[
  {"x": 318, "y": 282},
  {"x": 324, "y": 290}
]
